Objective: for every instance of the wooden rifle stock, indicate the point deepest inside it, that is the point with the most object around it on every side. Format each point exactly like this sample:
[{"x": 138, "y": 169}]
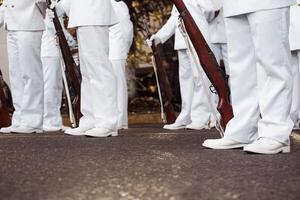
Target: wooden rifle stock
[
  {"x": 208, "y": 62},
  {"x": 5, "y": 104},
  {"x": 163, "y": 80},
  {"x": 72, "y": 70}
]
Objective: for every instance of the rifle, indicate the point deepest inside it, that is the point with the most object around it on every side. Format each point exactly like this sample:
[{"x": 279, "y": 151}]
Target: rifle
[
  {"x": 163, "y": 80},
  {"x": 6, "y": 105},
  {"x": 72, "y": 70},
  {"x": 209, "y": 63}
]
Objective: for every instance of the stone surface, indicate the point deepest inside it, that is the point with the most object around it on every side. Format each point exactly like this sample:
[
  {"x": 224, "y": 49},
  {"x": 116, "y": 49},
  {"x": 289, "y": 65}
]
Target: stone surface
[{"x": 144, "y": 162}]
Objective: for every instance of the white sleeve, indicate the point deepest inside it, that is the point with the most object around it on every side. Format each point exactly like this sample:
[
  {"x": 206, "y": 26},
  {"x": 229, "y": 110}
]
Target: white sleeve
[{"x": 169, "y": 28}]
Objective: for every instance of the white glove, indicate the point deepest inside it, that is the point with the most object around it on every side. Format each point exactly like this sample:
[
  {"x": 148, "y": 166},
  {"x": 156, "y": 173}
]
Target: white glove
[
  {"x": 49, "y": 23},
  {"x": 49, "y": 14},
  {"x": 59, "y": 10},
  {"x": 53, "y": 4},
  {"x": 153, "y": 38}
]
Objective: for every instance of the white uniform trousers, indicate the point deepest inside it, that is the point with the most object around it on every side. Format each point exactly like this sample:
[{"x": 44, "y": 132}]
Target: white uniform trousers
[
  {"x": 122, "y": 93},
  {"x": 221, "y": 53},
  {"x": 52, "y": 91},
  {"x": 194, "y": 102},
  {"x": 257, "y": 42},
  {"x": 26, "y": 77},
  {"x": 99, "y": 84},
  {"x": 295, "y": 110}
]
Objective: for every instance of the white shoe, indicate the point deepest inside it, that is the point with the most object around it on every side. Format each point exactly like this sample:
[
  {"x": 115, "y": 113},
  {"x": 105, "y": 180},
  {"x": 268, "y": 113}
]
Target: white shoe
[
  {"x": 267, "y": 146},
  {"x": 6, "y": 129},
  {"x": 174, "y": 126},
  {"x": 55, "y": 129},
  {"x": 101, "y": 132},
  {"x": 79, "y": 131},
  {"x": 52, "y": 129},
  {"x": 222, "y": 143},
  {"x": 194, "y": 126},
  {"x": 24, "y": 129}
]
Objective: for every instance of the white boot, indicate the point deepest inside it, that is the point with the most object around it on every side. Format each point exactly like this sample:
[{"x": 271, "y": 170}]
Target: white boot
[
  {"x": 6, "y": 129},
  {"x": 24, "y": 129},
  {"x": 195, "y": 126},
  {"x": 77, "y": 131},
  {"x": 101, "y": 132},
  {"x": 222, "y": 143},
  {"x": 267, "y": 146},
  {"x": 52, "y": 129},
  {"x": 174, "y": 126}
]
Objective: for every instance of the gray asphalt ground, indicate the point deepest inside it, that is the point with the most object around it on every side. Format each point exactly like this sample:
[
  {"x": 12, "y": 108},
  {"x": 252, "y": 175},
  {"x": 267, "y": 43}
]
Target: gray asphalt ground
[{"x": 144, "y": 162}]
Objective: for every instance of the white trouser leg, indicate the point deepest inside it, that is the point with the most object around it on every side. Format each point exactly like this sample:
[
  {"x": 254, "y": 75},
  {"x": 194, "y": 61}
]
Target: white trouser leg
[
  {"x": 244, "y": 96},
  {"x": 221, "y": 53},
  {"x": 273, "y": 96},
  {"x": 186, "y": 81},
  {"x": 32, "y": 107},
  {"x": 224, "y": 55},
  {"x": 15, "y": 76},
  {"x": 86, "y": 102},
  {"x": 298, "y": 52},
  {"x": 296, "y": 87},
  {"x": 122, "y": 94},
  {"x": 270, "y": 29},
  {"x": 201, "y": 111},
  {"x": 52, "y": 91},
  {"x": 99, "y": 90}
]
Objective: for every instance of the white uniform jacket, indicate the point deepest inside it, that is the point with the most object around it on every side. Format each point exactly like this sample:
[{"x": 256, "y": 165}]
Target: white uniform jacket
[
  {"x": 22, "y": 15},
  {"x": 89, "y": 12},
  {"x": 200, "y": 10},
  {"x": 237, "y": 7},
  {"x": 121, "y": 34},
  {"x": 217, "y": 29},
  {"x": 295, "y": 27}
]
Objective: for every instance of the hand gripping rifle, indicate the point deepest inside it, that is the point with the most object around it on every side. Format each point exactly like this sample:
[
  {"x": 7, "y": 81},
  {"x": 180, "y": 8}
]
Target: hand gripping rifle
[
  {"x": 209, "y": 63},
  {"x": 5, "y": 103},
  {"x": 163, "y": 82},
  {"x": 72, "y": 70}
]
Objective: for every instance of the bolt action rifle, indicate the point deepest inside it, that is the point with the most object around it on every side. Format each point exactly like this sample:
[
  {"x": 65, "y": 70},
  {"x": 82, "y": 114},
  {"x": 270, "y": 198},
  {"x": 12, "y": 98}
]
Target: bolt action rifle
[
  {"x": 6, "y": 106},
  {"x": 209, "y": 63},
  {"x": 162, "y": 80},
  {"x": 72, "y": 70}
]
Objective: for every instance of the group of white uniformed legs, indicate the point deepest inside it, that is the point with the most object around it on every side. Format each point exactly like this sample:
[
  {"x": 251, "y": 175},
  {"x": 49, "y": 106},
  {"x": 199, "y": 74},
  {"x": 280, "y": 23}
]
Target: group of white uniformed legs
[
  {"x": 262, "y": 64},
  {"x": 257, "y": 57},
  {"x": 52, "y": 73},
  {"x": 24, "y": 37},
  {"x": 196, "y": 112},
  {"x": 261, "y": 78},
  {"x": 35, "y": 73}
]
